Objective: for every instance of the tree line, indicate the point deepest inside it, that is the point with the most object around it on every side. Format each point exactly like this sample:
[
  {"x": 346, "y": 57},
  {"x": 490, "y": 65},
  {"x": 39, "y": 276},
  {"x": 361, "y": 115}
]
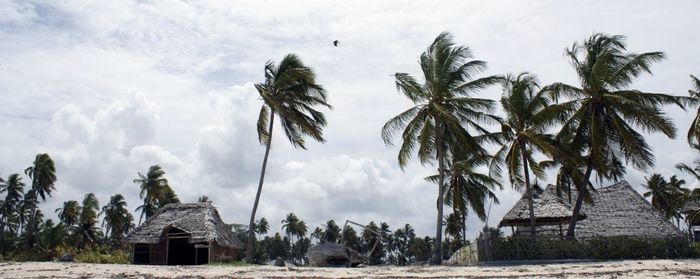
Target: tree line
[
  {"x": 26, "y": 233},
  {"x": 590, "y": 130},
  {"x": 397, "y": 247}
]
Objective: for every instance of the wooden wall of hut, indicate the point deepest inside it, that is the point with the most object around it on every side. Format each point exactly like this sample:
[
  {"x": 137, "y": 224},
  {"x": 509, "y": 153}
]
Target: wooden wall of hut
[{"x": 218, "y": 253}]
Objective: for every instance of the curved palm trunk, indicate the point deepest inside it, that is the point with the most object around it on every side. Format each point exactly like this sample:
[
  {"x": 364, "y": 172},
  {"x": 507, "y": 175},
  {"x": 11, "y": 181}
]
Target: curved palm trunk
[
  {"x": 29, "y": 230},
  {"x": 528, "y": 190},
  {"x": 251, "y": 234},
  {"x": 437, "y": 255},
  {"x": 581, "y": 190}
]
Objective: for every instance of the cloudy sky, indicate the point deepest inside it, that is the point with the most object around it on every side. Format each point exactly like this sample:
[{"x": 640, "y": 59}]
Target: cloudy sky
[{"x": 109, "y": 88}]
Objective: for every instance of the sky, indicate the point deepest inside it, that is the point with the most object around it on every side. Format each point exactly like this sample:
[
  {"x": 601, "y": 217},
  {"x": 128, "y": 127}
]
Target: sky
[{"x": 109, "y": 88}]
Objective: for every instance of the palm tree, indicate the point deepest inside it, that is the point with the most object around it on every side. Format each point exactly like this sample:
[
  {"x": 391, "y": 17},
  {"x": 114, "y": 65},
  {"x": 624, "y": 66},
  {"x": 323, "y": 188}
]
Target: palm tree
[
  {"x": 168, "y": 197},
  {"x": 466, "y": 187},
  {"x": 444, "y": 112},
  {"x": 69, "y": 214},
  {"x": 117, "y": 219},
  {"x": 13, "y": 189},
  {"x": 332, "y": 232},
  {"x": 317, "y": 234},
  {"x": 694, "y": 131},
  {"x": 290, "y": 91},
  {"x": 153, "y": 188},
  {"x": 262, "y": 226},
  {"x": 43, "y": 175},
  {"x": 453, "y": 226},
  {"x": 87, "y": 230},
  {"x": 603, "y": 116},
  {"x": 525, "y": 131},
  {"x": 659, "y": 191}
]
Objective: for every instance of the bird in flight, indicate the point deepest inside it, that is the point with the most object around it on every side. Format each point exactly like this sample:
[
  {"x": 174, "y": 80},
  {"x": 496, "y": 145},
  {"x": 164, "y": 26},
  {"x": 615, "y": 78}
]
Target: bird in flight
[{"x": 335, "y": 43}]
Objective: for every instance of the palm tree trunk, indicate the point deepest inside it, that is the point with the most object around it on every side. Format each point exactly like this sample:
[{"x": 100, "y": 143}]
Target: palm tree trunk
[
  {"x": 464, "y": 227},
  {"x": 437, "y": 255},
  {"x": 251, "y": 234},
  {"x": 582, "y": 189},
  {"x": 528, "y": 189}
]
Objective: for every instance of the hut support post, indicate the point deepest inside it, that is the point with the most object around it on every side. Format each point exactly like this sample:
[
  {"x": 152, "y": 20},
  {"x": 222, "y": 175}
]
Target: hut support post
[{"x": 209, "y": 252}]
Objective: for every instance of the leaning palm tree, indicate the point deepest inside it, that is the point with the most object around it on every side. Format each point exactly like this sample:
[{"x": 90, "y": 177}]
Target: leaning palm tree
[
  {"x": 694, "y": 131},
  {"x": 291, "y": 93},
  {"x": 43, "y": 175},
  {"x": 524, "y": 129},
  {"x": 153, "y": 189},
  {"x": 604, "y": 117},
  {"x": 445, "y": 112}
]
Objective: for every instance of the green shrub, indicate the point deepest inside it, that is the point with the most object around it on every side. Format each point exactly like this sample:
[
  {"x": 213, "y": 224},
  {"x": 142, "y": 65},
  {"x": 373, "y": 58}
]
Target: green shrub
[{"x": 102, "y": 255}]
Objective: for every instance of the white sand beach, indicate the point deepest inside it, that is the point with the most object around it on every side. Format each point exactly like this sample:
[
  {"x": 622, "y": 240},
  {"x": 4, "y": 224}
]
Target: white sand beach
[{"x": 614, "y": 269}]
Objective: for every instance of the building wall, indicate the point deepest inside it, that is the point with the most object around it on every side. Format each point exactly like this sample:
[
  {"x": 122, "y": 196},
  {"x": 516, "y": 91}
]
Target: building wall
[{"x": 220, "y": 253}]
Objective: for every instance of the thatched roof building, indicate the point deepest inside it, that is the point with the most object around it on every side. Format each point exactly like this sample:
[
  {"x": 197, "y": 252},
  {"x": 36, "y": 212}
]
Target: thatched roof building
[
  {"x": 186, "y": 233},
  {"x": 617, "y": 210},
  {"x": 549, "y": 209}
]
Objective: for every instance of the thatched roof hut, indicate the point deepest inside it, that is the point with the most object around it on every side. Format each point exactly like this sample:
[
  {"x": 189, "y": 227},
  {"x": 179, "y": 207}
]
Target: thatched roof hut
[
  {"x": 186, "y": 233},
  {"x": 549, "y": 209},
  {"x": 617, "y": 210}
]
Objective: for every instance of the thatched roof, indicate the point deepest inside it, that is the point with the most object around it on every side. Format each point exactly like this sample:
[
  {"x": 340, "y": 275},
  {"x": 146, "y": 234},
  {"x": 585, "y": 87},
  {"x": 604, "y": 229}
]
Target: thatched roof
[
  {"x": 201, "y": 220},
  {"x": 549, "y": 209},
  {"x": 617, "y": 210}
]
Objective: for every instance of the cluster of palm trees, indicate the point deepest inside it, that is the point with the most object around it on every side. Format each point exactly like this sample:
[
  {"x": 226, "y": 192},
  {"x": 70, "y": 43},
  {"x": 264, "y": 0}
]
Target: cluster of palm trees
[
  {"x": 399, "y": 247},
  {"x": 590, "y": 129},
  {"x": 20, "y": 220},
  {"x": 23, "y": 226}
]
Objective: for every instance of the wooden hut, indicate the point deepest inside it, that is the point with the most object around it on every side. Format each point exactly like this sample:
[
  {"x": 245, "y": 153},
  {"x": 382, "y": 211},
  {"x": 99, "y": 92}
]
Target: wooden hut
[
  {"x": 616, "y": 210},
  {"x": 551, "y": 213},
  {"x": 183, "y": 234}
]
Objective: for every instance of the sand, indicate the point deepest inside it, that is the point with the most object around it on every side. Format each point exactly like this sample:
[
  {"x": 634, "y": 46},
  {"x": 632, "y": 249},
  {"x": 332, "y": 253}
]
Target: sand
[{"x": 616, "y": 269}]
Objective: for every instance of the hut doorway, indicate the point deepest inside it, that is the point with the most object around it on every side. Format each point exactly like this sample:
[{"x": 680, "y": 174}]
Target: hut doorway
[{"x": 182, "y": 252}]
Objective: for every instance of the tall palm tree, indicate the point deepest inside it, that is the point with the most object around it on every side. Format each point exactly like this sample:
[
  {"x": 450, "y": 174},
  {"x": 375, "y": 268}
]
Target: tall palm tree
[
  {"x": 43, "y": 175},
  {"x": 694, "y": 131},
  {"x": 603, "y": 117},
  {"x": 524, "y": 129},
  {"x": 13, "y": 189},
  {"x": 153, "y": 187},
  {"x": 117, "y": 219},
  {"x": 289, "y": 91},
  {"x": 69, "y": 214},
  {"x": 445, "y": 112}
]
